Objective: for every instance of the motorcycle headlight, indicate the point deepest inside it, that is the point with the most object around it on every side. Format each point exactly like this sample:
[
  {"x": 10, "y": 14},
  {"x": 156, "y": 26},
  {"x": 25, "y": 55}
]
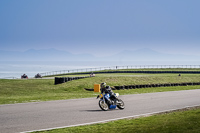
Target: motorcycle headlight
[{"x": 116, "y": 94}]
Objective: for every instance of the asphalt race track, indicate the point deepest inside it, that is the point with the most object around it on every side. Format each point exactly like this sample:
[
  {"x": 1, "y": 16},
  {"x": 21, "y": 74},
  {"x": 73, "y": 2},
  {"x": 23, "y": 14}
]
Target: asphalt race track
[{"x": 55, "y": 114}]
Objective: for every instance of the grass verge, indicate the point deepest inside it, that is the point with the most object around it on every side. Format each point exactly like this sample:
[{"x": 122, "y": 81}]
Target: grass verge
[
  {"x": 175, "y": 122},
  {"x": 32, "y": 90}
]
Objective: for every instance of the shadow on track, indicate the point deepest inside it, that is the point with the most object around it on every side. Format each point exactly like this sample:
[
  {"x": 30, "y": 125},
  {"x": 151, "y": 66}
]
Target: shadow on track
[
  {"x": 99, "y": 110},
  {"x": 92, "y": 110}
]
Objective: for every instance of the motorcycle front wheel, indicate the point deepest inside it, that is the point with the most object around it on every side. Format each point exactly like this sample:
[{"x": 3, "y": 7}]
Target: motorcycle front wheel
[
  {"x": 120, "y": 104},
  {"x": 103, "y": 105}
]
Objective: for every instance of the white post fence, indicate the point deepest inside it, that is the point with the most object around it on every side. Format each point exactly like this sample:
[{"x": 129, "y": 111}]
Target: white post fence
[{"x": 119, "y": 67}]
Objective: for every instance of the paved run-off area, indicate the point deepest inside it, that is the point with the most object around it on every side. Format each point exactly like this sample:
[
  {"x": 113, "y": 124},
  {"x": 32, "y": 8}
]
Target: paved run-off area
[{"x": 63, "y": 113}]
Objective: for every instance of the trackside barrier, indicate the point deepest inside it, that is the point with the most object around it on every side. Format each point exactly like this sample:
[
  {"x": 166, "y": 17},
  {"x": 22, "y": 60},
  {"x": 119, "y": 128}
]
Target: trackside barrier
[
  {"x": 150, "y": 72},
  {"x": 153, "y": 85},
  {"x": 96, "y": 87},
  {"x": 125, "y": 87},
  {"x": 146, "y": 67},
  {"x": 60, "y": 80}
]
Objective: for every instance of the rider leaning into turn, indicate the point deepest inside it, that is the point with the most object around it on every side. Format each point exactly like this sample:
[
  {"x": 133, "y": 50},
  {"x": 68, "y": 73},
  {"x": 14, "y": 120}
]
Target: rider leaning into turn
[{"x": 107, "y": 89}]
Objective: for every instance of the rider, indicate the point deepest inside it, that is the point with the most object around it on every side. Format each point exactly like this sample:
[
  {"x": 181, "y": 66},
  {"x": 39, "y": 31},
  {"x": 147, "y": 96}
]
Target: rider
[{"x": 107, "y": 89}]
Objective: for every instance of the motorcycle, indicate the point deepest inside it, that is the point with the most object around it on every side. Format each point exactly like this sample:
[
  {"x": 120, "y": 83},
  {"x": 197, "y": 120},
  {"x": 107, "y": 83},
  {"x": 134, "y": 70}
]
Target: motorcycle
[{"x": 106, "y": 102}]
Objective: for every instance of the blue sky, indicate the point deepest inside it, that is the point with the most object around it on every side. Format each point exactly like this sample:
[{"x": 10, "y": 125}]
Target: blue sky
[{"x": 101, "y": 27}]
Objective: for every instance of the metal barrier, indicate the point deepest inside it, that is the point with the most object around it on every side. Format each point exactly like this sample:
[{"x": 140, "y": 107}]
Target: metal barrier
[
  {"x": 61, "y": 72},
  {"x": 9, "y": 78}
]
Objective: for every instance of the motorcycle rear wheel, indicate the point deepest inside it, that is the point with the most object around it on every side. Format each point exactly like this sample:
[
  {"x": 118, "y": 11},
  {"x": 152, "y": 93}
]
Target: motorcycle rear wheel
[
  {"x": 103, "y": 105},
  {"x": 120, "y": 104}
]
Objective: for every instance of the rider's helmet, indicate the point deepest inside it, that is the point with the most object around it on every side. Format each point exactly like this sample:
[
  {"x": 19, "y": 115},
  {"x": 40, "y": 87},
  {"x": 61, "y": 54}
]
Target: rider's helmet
[{"x": 103, "y": 85}]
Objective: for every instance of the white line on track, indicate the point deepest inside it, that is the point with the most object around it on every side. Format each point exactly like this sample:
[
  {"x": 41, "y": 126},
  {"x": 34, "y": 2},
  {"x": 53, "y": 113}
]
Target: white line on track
[{"x": 104, "y": 121}]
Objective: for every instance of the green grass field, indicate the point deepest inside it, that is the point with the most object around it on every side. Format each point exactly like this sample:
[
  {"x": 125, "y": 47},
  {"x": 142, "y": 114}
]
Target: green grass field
[
  {"x": 174, "y": 122},
  {"x": 32, "y": 90}
]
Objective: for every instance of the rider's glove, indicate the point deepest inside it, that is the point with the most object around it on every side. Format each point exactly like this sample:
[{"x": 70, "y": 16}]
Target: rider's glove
[{"x": 97, "y": 96}]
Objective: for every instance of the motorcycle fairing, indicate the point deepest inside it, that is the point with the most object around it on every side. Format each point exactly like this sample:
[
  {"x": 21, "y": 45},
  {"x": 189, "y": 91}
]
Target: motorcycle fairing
[
  {"x": 101, "y": 96},
  {"x": 113, "y": 106},
  {"x": 107, "y": 96}
]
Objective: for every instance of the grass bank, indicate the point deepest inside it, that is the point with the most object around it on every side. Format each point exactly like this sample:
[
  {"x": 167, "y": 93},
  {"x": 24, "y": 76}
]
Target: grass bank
[
  {"x": 174, "y": 122},
  {"x": 32, "y": 90}
]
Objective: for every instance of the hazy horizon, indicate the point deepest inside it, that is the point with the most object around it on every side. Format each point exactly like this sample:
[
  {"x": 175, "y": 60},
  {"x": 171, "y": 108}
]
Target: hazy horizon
[{"x": 125, "y": 55}]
